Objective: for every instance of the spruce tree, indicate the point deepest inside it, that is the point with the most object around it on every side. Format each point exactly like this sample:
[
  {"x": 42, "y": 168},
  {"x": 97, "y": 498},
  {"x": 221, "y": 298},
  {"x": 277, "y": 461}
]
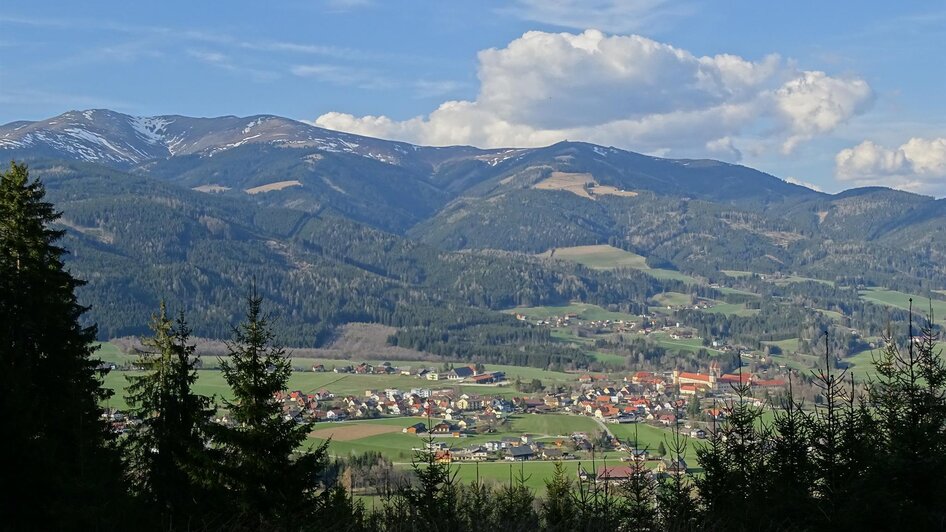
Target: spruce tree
[
  {"x": 793, "y": 473},
  {"x": 273, "y": 485},
  {"x": 558, "y": 508},
  {"x": 168, "y": 461},
  {"x": 514, "y": 505},
  {"x": 910, "y": 399},
  {"x": 58, "y": 453},
  {"x": 675, "y": 494}
]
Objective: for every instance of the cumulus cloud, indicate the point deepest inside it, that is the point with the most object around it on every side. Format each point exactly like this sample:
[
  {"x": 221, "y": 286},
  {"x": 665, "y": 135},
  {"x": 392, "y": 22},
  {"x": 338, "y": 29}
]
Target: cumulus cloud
[
  {"x": 628, "y": 91},
  {"x": 815, "y": 103},
  {"x": 918, "y": 165}
]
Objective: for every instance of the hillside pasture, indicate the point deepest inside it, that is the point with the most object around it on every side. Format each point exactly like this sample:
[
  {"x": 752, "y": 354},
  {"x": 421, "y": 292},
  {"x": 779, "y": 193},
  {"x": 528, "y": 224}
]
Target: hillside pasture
[
  {"x": 901, "y": 300},
  {"x": 601, "y": 257},
  {"x": 270, "y": 187},
  {"x": 605, "y": 257}
]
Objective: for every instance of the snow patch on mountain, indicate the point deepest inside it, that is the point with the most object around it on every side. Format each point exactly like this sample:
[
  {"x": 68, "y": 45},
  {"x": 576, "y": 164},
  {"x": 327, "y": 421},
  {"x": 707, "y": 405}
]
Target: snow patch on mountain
[{"x": 150, "y": 128}]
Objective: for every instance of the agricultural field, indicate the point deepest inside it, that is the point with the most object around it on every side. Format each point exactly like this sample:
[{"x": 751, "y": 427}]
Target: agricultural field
[
  {"x": 649, "y": 437},
  {"x": 787, "y": 346},
  {"x": 833, "y": 315},
  {"x": 673, "y": 299},
  {"x": 725, "y": 290},
  {"x": 385, "y": 436},
  {"x": 691, "y": 345},
  {"x": 605, "y": 257},
  {"x": 901, "y": 300},
  {"x": 862, "y": 364},
  {"x": 739, "y": 309},
  {"x": 602, "y": 257}
]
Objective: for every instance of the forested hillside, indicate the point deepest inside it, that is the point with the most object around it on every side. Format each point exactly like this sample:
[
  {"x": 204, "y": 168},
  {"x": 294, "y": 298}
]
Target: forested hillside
[
  {"x": 139, "y": 240},
  {"x": 335, "y": 228}
]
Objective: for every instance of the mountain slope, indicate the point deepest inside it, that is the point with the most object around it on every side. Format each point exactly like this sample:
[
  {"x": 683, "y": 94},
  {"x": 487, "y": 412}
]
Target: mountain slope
[{"x": 696, "y": 215}]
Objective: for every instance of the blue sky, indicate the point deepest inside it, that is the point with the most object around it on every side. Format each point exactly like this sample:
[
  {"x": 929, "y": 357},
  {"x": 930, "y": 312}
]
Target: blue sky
[{"x": 834, "y": 94}]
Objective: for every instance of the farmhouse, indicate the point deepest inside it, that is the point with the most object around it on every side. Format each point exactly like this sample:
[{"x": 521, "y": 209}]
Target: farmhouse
[
  {"x": 460, "y": 373},
  {"x": 416, "y": 428},
  {"x": 520, "y": 453}
]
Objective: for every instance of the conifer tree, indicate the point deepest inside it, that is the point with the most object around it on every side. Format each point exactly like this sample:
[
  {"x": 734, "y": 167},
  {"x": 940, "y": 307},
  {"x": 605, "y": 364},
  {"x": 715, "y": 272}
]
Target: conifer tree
[
  {"x": 558, "y": 507},
  {"x": 58, "y": 453},
  {"x": 674, "y": 495},
  {"x": 514, "y": 505},
  {"x": 476, "y": 506},
  {"x": 272, "y": 484},
  {"x": 639, "y": 505},
  {"x": 827, "y": 441},
  {"x": 168, "y": 461},
  {"x": 793, "y": 473},
  {"x": 910, "y": 399}
]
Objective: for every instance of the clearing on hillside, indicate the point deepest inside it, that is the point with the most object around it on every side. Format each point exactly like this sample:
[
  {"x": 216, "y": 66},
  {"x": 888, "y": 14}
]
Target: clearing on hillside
[
  {"x": 583, "y": 185},
  {"x": 600, "y": 256},
  {"x": 279, "y": 185},
  {"x": 211, "y": 188},
  {"x": 605, "y": 257}
]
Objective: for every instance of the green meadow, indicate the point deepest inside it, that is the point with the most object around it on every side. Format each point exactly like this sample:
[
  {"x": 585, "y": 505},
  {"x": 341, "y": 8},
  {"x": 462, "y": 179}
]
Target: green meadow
[
  {"x": 901, "y": 300},
  {"x": 605, "y": 257}
]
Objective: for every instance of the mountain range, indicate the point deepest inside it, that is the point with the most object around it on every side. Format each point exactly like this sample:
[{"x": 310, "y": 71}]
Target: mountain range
[{"x": 338, "y": 227}]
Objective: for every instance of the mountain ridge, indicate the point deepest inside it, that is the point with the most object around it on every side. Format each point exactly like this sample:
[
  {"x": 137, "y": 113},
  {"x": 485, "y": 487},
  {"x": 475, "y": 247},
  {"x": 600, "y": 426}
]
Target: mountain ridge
[{"x": 697, "y": 215}]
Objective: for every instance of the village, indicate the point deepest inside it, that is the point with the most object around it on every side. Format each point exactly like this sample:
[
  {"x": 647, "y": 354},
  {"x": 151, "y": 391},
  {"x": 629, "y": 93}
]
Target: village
[{"x": 443, "y": 417}]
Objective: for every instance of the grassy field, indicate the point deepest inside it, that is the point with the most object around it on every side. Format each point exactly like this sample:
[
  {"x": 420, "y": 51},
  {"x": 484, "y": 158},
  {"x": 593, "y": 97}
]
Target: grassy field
[
  {"x": 601, "y": 257},
  {"x": 552, "y": 424},
  {"x": 604, "y": 257},
  {"x": 734, "y": 291},
  {"x": 649, "y": 437},
  {"x": 359, "y": 436},
  {"x": 673, "y": 299},
  {"x": 691, "y": 345},
  {"x": 901, "y": 300},
  {"x": 739, "y": 309},
  {"x": 787, "y": 346},
  {"x": 398, "y": 446}
]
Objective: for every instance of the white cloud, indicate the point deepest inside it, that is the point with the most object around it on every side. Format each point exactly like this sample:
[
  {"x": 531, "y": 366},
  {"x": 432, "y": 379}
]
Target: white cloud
[
  {"x": 628, "y": 91},
  {"x": 619, "y": 16},
  {"x": 918, "y": 165},
  {"x": 815, "y": 103}
]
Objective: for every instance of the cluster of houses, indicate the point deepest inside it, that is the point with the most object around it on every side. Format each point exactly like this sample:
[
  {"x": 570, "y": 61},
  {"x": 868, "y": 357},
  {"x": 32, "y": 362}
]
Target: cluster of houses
[
  {"x": 465, "y": 411},
  {"x": 658, "y": 398},
  {"x": 572, "y": 320},
  {"x": 510, "y": 448},
  {"x": 619, "y": 474}
]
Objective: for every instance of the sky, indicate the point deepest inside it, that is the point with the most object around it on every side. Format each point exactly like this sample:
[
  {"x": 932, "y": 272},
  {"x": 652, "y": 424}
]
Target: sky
[{"x": 832, "y": 95}]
